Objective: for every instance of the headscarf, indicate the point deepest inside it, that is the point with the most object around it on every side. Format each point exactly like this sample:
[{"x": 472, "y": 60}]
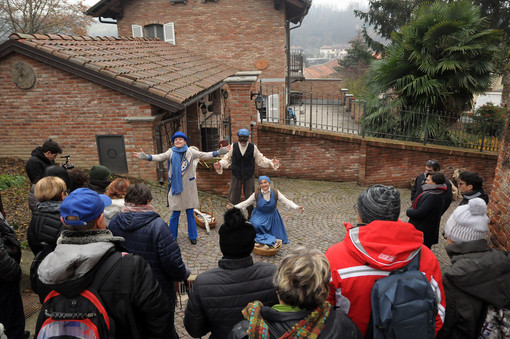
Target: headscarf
[{"x": 263, "y": 177}]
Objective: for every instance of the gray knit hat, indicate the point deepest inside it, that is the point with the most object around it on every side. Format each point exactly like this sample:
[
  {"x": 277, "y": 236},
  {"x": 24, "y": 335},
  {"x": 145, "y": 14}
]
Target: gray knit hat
[
  {"x": 379, "y": 202},
  {"x": 468, "y": 222}
]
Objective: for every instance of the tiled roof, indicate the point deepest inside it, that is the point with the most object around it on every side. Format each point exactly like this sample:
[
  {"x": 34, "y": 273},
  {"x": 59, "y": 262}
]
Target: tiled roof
[
  {"x": 321, "y": 71},
  {"x": 150, "y": 64}
]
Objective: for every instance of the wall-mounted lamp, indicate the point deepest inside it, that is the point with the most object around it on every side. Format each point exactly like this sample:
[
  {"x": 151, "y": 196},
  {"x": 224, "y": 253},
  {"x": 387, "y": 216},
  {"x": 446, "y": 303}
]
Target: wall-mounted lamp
[
  {"x": 259, "y": 102},
  {"x": 203, "y": 108}
]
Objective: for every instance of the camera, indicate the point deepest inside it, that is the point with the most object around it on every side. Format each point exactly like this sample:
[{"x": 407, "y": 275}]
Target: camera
[{"x": 66, "y": 164}]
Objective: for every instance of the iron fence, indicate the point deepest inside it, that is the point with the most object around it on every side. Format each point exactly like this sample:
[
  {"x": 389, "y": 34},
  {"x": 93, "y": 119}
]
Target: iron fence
[{"x": 344, "y": 114}]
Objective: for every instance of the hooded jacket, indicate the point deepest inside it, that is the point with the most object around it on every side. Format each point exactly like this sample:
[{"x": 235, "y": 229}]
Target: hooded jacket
[
  {"x": 477, "y": 277},
  {"x": 131, "y": 294},
  {"x": 370, "y": 252},
  {"x": 148, "y": 236},
  {"x": 37, "y": 164}
]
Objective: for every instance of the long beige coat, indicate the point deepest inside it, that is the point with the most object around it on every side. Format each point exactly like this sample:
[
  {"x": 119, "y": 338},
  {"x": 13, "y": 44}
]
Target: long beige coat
[{"x": 188, "y": 198}]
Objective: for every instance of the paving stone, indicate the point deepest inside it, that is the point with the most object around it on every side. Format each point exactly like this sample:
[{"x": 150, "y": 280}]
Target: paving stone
[{"x": 328, "y": 205}]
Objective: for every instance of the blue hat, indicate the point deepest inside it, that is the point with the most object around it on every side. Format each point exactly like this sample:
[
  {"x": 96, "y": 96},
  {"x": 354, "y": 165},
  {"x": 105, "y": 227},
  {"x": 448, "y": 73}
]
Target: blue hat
[
  {"x": 85, "y": 204},
  {"x": 243, "y": 132},
  {"x": 180, "y": 135},
  {"x": 263, "y": 177}
]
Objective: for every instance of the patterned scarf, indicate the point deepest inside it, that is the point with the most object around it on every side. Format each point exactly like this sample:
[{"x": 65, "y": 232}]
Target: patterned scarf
[
  {"x": 309, "y": 327},
  {"x": 129, "y": 207},
  {"x": 176, "y": 175}
]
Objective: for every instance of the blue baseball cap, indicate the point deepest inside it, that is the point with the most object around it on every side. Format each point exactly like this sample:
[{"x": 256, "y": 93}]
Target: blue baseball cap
[
  {"x": 243, "y": 132},
  {"x": 180, "y": 135},
  {"x": 83, "y": 204}
]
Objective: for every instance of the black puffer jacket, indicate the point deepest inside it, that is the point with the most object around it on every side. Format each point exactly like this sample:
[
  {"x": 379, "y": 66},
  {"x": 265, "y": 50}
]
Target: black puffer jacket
[
  {"x": 45, "y": 226},
  {"x": 11, "y": 306},
  {"x": 131, "y": 294},
  {"x": 338, "y": 325},
  {"x": 148, "y": 236},
  {"x": 478, "y": 277},
  {"x": 37, "y": 164},
  {"x": 219, "y": 295}
]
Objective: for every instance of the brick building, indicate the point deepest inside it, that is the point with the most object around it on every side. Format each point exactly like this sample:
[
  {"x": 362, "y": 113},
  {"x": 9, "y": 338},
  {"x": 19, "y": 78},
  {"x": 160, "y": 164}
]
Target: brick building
[
  {"x": 103, "y": 98},
  {"x": 248, "y": 35}
]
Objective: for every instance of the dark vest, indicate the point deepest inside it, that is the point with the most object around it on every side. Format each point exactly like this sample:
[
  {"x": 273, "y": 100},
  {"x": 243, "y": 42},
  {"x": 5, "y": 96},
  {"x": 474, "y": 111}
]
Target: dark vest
[{"x": 243, "y": 166}]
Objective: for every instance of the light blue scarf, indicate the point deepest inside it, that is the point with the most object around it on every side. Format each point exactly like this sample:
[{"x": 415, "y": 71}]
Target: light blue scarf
[{"x": 176, "y": 176}]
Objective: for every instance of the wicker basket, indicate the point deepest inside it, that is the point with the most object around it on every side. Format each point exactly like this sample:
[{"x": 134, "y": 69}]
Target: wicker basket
[
  {"x": 263, "y": 250},
  {"x": 200, "y": 220}
]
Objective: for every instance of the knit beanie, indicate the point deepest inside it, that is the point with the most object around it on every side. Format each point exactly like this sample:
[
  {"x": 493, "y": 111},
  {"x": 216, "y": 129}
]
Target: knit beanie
[
  {"x": 468, "y": 222},
  {"x": 379, "y": 202},
  {"x": 237, "y": 236},
  {"x": 180, "y": 135},
  {"x": 99, "y": 172}
]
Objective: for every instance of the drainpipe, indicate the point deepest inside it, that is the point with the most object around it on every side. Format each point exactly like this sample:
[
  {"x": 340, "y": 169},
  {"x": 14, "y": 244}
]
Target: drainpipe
[{"x": 287, "y": 33}]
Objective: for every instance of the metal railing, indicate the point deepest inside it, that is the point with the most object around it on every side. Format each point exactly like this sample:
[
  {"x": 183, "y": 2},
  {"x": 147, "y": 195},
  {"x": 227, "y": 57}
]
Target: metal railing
[{"x": 344, "y": 114}]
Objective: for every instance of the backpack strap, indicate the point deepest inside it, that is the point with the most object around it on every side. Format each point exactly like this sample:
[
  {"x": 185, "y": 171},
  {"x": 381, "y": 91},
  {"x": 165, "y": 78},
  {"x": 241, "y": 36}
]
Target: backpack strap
[{"x": 106, "y": 266}]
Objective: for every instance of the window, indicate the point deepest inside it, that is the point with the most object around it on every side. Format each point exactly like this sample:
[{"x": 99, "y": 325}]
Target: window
[
  {"x": 154, "y": 31},
  {"x": 164, "y": 32}
]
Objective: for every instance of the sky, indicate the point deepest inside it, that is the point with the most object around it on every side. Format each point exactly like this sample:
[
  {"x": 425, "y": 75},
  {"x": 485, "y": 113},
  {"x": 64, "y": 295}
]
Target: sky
[
  {"x": 334, "y": 3},
  {"x": 340, "y": 4}
]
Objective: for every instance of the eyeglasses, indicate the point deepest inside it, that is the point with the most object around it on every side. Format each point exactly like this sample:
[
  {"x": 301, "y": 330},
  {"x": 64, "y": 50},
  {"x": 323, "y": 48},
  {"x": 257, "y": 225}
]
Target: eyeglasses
[
  {"x": 243, "y": 139},
  {"x": 355, "y": 207},
  {"x": 444, "y": 235}
]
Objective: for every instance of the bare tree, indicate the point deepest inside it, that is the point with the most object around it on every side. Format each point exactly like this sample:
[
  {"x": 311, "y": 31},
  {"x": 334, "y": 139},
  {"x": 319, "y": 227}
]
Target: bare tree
[{"x": 43, "y": 17}]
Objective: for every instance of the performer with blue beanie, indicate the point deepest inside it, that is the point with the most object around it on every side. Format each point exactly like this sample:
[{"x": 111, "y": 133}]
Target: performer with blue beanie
[
  {"x": 182, "y": 185},
  {"x": 242, "y": 156},
  {"x": 266, "y": 219}
]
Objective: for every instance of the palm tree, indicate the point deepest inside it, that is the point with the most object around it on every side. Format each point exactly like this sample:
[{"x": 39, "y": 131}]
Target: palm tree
[{"x": 437, "y": 62}]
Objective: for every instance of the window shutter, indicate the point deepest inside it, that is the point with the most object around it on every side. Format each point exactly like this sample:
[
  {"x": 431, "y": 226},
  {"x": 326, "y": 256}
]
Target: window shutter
[
  {"x": 273, "y": 108},
  {"x": 169, "y": 33},
  {"x": 137, "y": 31}
]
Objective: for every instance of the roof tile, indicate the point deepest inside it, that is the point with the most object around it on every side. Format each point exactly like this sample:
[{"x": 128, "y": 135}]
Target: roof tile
[{"x": 148, "y": 63}]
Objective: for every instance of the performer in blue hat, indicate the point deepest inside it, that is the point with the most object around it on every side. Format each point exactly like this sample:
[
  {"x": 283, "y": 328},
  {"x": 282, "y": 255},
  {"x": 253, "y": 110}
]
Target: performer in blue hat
[
  {"x": 182, "y": 185},
  {"x": 266, "y": 219},
  {"x": 242, "y": 156}
]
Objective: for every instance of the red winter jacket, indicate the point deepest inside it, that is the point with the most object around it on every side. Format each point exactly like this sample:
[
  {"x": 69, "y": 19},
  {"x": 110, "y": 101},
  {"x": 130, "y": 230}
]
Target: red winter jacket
[{"x": 371, "y": 252}]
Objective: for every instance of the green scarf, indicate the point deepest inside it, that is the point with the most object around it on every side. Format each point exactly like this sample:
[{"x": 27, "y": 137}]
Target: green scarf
[{"x": 309, "y": 327}]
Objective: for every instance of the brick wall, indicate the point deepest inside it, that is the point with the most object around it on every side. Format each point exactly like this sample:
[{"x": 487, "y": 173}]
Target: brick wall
[
  {"x": 237, "y": 32},
  {"x": 72, "y": 111},
  {"x": 318, "y": 86},
  {"x": 500, "y": 197},
  {"x": 368, "y": 161}
]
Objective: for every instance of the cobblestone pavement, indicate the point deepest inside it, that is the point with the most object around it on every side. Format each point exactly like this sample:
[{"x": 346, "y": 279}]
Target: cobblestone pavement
[{"x": 327, "y": 206}]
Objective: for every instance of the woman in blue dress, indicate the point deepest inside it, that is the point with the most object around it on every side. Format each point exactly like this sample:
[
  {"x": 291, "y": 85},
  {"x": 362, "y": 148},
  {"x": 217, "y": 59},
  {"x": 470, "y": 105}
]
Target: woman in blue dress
[{"x": 265, "y": 218}]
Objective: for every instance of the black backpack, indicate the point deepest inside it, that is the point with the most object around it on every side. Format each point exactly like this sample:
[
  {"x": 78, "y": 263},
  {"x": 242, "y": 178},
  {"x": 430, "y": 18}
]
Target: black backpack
[
  {"x": 403, "y": 304},
  {"x": 82, "y": 315}
]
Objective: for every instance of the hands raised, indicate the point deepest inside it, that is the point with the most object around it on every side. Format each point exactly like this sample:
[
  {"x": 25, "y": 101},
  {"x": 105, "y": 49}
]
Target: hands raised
[
  {"x": 276, "y": 162},
  {"x": 141, "y": 155}
]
